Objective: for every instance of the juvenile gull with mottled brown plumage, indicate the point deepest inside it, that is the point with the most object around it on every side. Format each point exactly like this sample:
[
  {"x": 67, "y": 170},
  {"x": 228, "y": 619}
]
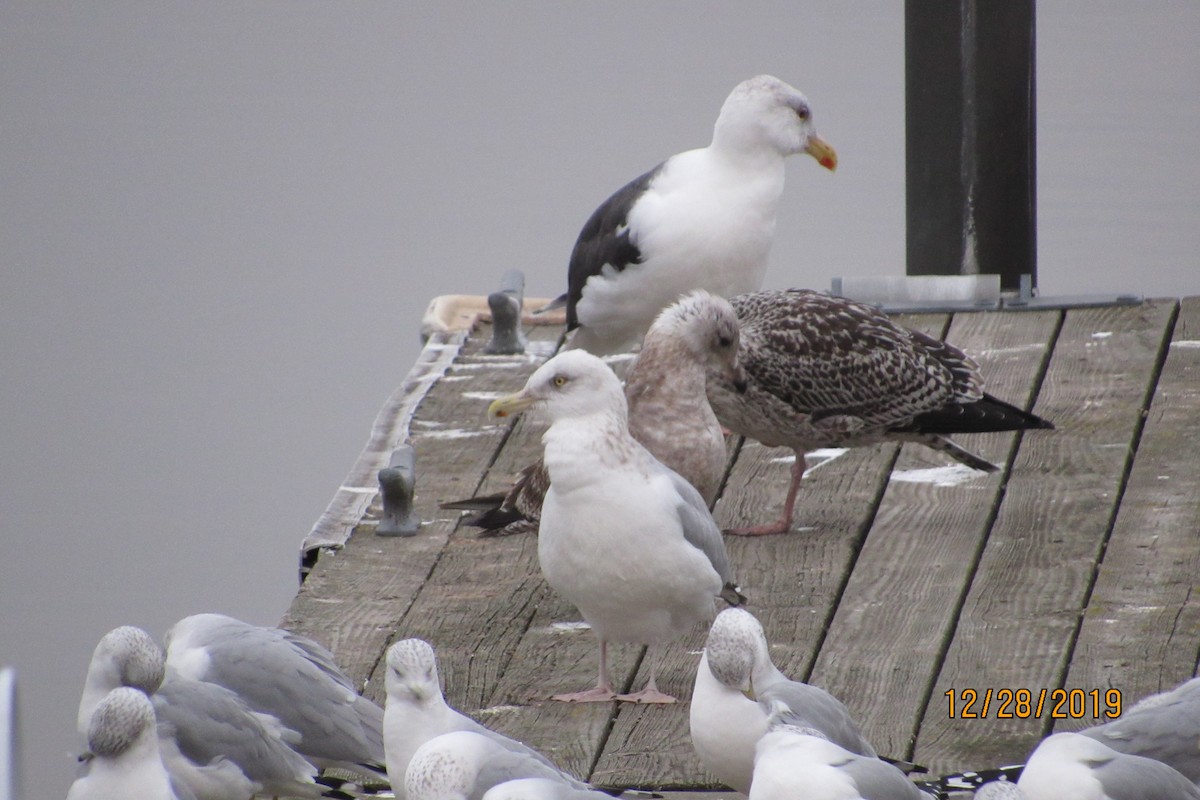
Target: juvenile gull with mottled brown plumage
[
  {"x": 824, "y": 371},
  {"x": 669, "y": 413}
]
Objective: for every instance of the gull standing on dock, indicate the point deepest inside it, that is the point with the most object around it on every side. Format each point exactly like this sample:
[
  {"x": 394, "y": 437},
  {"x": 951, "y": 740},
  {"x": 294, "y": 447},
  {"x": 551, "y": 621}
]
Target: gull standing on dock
[
  {"x": 669, "y": 412},
  {"x": 824, "y": 371},
  {"x": 702, "y": 219},
  {"x": 416, "y": 712},
  {"x": 625, "y": 539},
  {"x": 737, "y": 687}
]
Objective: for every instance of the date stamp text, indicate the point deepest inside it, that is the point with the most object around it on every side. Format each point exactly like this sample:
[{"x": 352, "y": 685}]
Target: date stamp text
[{"x": 1034, "y": 704}]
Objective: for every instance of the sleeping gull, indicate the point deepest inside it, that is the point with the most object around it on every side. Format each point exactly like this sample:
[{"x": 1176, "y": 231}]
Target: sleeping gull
[
  {"x": 124, "y": 760},
  {"x": 825, "y": 371},
  {"x": 793, "y": 761},
  {"x": 726, "y": 724},
  {"x": 1165, "y": 727},
  {"x": 626, "y": 540},
  {"x": 212, "y": 744},
  {"x": 702, "y": 219},
  {"x": 462, "y": 765},
  {"x": 289, "y": 677},
  {"x": 416, "y": 712},
  {"x": 540, "y": 789},
  {"x": 669, "y": 411},
  {"x": 1071, "y": 766}
]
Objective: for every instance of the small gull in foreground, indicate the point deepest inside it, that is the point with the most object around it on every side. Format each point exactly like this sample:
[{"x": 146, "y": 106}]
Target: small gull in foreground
[
  {"x": 463, "y": 765},
  {"x": 541, "y": 789},
  {"x": 1165, "y": 727},
  {"x": 416, "y": 712},
  {"x": 824, "y": 371},
  {"x": 793, "y": 760},
  {"x": 625, "y": 539},
  {"x": 702, "y": 219},
  {"x": 1071, "y": 766},
  {"x": 726, "y": 724},
  {"x": 124, "y": 760},
  {"x": 212, "y": 744},
  {"x": 289, "y": 677}
]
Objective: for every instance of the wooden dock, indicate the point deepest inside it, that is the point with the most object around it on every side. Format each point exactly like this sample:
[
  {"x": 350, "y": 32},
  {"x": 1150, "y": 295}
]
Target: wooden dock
[{"x": 1074, "y": 566}]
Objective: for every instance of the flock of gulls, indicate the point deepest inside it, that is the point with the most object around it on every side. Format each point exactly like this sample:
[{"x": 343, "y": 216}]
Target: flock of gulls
[{"x": 673, "y": 263}]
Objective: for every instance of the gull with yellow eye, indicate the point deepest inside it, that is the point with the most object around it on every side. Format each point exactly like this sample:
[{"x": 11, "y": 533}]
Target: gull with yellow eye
[
  {"x": 702, "y": 219},
  {"x": 669, "y": 412},
  {"x": 625, "y": 539}
]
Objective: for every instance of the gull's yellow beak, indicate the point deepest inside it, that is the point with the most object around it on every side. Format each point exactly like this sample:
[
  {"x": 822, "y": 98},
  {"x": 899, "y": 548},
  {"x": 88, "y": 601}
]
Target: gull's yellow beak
[
  {"x": 823, "y": 152},
  {"x": 509, "y": 404}
]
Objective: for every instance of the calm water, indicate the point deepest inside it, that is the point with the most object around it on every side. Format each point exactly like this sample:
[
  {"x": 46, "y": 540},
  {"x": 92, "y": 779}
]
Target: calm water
[{"x": 220, "y": 224}]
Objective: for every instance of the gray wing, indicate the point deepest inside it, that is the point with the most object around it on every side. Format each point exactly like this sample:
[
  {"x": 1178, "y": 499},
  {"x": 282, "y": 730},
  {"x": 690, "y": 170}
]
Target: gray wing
[
  {"x": 878, "y": 780},
  {"x": 700, "y": 530},
  {"x": 521, "y": 749},
  {"x": 1137, "y": 778},
  {"x": 297, "y": 681},
  {"x": 209, "y": 721},
  {"x": 506, "y": 765},
  {"x": 1164, "y": 727},
  {"x": 812, "y": 707}
]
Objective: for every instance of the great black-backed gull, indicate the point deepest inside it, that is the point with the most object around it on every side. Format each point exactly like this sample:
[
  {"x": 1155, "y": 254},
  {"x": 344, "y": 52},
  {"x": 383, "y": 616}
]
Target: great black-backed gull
[
  {"x": 824, "y": 371},
  {"x": 416, "y": 712},
  {"x": 736, "y": 682},
  {"x": 702, "y": 219},
  {"x": 668, "y": 410},
  {"x": 626, "y": 540}
]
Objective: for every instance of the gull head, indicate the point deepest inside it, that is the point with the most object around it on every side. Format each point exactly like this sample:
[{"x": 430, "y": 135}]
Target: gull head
[
  {"x": 764, "y": 113},
  {"x": 732, "y": 648},
  {"x": 707, "y": 326},
  {"x": 412, "y": 674},
  {"x": 131, "y": 657},
  {"x": 120, "y": 719},
  {"x": 572, "y": 384}
]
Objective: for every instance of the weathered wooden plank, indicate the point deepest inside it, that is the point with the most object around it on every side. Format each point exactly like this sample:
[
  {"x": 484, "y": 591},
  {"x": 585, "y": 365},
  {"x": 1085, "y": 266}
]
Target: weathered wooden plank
[
  {"x": 895, "y": 616},
  {"x": 1140, "y": 630},
  {"x": 792, "y": 582},
  {"x": 354, "y": 598},
  {"x": 1020, "y": 617}
]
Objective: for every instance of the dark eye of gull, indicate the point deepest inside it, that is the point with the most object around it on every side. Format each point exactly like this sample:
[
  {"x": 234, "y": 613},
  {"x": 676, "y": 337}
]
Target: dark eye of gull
[{"x": 803, "y": 113}]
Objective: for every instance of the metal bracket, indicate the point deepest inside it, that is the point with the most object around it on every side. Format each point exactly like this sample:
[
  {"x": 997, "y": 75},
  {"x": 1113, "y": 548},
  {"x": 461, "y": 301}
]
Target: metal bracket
[
  {"x": 507, "y": 337},
  {"x": 397, "y": 481}
]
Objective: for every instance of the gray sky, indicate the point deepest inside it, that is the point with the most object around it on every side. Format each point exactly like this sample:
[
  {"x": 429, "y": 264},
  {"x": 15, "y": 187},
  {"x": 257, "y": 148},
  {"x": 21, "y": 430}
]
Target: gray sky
[{"x": 221, "y": 221}]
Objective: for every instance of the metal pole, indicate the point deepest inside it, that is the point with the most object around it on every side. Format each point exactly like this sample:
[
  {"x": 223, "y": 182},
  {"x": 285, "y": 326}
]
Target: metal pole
[{"x": 970, "y": 152}]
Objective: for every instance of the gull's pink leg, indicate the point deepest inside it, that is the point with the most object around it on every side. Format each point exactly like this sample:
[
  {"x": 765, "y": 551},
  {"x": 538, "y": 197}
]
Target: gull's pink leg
[
  {"x": 650, "y": 694},
  {"x": 784, "y": 524},
  {"x": 603, "y": 690}
]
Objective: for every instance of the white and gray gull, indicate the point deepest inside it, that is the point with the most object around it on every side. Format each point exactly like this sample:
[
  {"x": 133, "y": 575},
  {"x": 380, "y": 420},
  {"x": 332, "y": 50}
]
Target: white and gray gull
[
  {"x": 825, "y": 371},
  {"x": 289, "y": 677},
  {"x": 702, "y": 219},
  {"x": 669, "y": 412},
  {"x": 738, "y": 687},
  {"x": 464, "y": 765},
  {"x": 417, "y": 712},
  {"x": 625, "y": 539},
  {"x": 124, "y": 759}
]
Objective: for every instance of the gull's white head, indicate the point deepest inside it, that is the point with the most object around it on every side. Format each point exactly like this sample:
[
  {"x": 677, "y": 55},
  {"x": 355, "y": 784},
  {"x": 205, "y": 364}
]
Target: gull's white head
[
  {"x": 412, "y": 674},
  {"x": 125, "y": 656},
  {"x": 707, "y": 326},
  {"x": 122, "y": 718},
  {"x": 447, "y": 766},
  {"x": 572, "y": 384},
  {"x": 736, "y": 644},
  {"x": 766, "y": 113}
]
